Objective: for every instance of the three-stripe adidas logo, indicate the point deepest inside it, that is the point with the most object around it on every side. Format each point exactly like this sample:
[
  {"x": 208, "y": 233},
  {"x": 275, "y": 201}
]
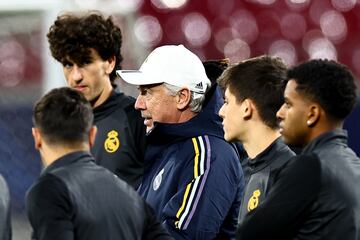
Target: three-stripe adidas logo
[{"x": 199, "y": 85}]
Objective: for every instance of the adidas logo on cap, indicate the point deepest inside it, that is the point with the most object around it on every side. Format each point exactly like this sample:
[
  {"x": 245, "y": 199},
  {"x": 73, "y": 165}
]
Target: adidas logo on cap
[{"x": 199, "y": 85}]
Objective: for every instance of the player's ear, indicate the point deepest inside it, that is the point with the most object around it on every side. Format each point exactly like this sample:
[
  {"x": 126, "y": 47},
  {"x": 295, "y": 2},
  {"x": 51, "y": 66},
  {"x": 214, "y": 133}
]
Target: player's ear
[
  {"x": 247, "y": 108},
  {"x": 313, "y": 115},
  {"x": 110, "y": 64},
  {"x": 37, "y": 137}
]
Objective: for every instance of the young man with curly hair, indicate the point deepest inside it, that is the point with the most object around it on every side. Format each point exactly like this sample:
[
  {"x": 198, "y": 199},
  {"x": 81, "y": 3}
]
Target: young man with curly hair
[
  {"x": 316, "y": 196},
  {"x": 88, "y": 47}
]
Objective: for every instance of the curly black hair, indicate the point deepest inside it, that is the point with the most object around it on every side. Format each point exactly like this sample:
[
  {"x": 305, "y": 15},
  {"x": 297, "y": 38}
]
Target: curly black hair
[
  {"x": 328, "y": 83},
  {"x": 73, "y": 36}
]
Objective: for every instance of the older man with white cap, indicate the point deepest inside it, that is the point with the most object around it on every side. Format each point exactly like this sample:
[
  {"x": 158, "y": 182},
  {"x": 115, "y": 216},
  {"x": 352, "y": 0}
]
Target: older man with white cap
[{"x": 192, "y": 176}]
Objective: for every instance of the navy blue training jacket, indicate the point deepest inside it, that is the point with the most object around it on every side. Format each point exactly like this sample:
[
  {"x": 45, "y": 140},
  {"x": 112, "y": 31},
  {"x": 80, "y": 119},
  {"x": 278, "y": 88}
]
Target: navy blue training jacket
[{"x": 193, "y": 178}]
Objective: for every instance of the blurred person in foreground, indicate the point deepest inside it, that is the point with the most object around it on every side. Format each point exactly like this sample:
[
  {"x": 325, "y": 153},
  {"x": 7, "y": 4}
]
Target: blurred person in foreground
[
  {"x": 88, "y": 47},
  {"x": 253, "y": 93},
  {"x": 74, "y": 198},
  {"x": 5, "y": 221},
  {"x": 316, "y": 196},
  {"x": 193, "y": 178}
]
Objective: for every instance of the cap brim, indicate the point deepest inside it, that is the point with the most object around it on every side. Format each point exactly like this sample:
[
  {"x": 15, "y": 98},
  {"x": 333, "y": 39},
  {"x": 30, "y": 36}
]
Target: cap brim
[{"x": 136, "y": 77}]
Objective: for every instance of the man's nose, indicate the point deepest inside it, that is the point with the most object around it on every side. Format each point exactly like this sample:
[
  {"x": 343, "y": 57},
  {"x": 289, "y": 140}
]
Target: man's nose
[
  {"x": 221, "y": 112},
  {"x": 140, "y": 103},
  {"x": 279, "y": 113},
  {"x": 76, "y": 74}
]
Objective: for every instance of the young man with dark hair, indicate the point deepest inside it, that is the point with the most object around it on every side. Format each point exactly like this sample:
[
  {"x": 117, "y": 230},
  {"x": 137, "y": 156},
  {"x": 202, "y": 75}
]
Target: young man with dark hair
[
  {"x": 88, "y": 47},
  {"x": 253, "y": 93},
  {"x": 74, "y": 198},
  {"x": 214, "y": 69},
  {"x": 316, "y": 197}
]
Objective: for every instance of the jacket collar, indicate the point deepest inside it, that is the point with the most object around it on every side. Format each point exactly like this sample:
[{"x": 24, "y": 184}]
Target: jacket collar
[
  {"x": 107, "y": 107},
  {"x": 266, "y": 156},
  {"x": 67, "y": 160},
  {"x": 338, "y": 135}
]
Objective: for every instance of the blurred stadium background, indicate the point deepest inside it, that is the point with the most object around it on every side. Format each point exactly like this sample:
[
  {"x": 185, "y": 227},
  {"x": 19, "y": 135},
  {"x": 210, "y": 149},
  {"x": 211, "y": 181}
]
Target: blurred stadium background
[{"x": 294, "y": 30}]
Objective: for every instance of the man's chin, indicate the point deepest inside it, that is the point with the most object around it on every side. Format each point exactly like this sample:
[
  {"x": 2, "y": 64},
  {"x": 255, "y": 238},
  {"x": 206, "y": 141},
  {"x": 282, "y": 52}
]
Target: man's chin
[
  {"x": 229, "y": 138},
  {"x": 288, "y": 141}
]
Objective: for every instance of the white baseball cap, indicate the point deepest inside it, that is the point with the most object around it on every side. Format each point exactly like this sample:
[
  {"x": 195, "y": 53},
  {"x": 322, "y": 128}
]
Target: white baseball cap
[{"x": 171, "y": 64}]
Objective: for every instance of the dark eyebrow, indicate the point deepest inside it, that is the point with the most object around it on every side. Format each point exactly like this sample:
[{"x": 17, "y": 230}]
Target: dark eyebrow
[{"x": 66, "y": 62}]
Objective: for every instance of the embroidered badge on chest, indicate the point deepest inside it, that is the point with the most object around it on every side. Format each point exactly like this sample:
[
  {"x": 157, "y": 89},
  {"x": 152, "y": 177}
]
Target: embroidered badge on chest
[
  {"x": 112, "y": 143},
  {"x": 157, "y": 180},
  {"x": 254, "y": 200}
]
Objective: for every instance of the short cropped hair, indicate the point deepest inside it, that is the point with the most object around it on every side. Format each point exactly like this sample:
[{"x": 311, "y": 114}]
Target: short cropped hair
[
  {"x": 328, "y": 83},
  {"x": 259, "y": 79},
  {"x": 63, "y": 116},
  {"x": 73, "y": 36}
]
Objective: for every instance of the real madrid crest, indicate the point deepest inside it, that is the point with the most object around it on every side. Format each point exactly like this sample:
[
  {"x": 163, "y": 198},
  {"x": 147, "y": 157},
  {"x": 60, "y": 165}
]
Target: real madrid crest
[
  {"x": 157, "y": 180},
  {"x": 112, "y": 142},
  {"x": 254, "y": 200}
]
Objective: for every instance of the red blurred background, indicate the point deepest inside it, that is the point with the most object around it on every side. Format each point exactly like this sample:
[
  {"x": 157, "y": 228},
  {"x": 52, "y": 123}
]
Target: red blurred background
[{"x": 295, "y": 30}]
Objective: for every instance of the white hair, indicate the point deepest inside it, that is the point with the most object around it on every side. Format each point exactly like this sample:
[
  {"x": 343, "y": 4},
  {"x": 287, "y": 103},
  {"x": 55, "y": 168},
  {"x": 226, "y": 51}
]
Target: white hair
[{"x": 196, "y": 99}]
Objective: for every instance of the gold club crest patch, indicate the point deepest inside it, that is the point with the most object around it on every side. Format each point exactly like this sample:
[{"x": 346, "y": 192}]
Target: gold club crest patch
[
  {"x": 254, "y": 200},
  {"x": 112, "y": 143}
]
